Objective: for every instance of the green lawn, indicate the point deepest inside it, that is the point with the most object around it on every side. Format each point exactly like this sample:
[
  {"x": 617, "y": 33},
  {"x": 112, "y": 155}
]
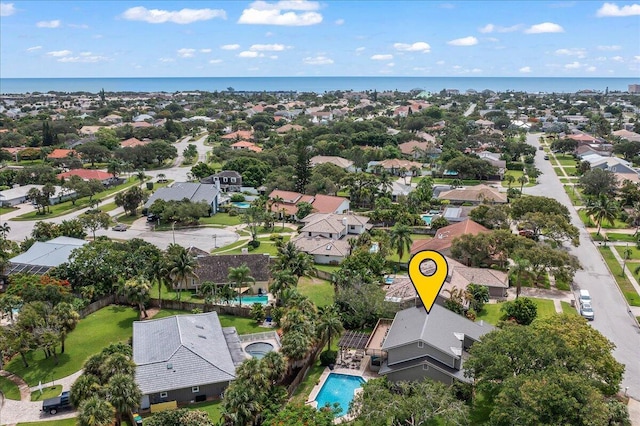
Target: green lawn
[
  {"x": 574, "y": 195},
  {"x": 212, "y": 408},
  {"x": 319, "y": 291},
  {"x": 267, "y": 246},
  {"x": 623, "y": 282},
  {"x": 221, "y": 219},
  {"x": 566, "y": 160},
  {"x": 571, "y": 170},
  {"x": 491, "y": 312},
  {"x": 167, "y": 294},
  {"x": 67, "y": 207},
  {"x": 5, "y": 210},
  {"x": 48, "y": 392},
  {"x": 242, "y": 325},
  {"x": 448, "y": 181},
  {"x": 92, "y": 334},
  {"x": 634, "y": 253},
  {"x": 126, "y": 219},
  {"x": 9, "y": 389},
  {"x": 327, "y": 268},
  {"x": 407, "y": 255},
  {"x": 108, "y": 207},
  {"x": 617, "y": 224},
  {"x": 558, "y": 171},
  {"x": 568, "y": 309},
  {"x": 61, "y": 422},
  {"x": 227, "y": 248},
  {"x": 627, "y": 238}
]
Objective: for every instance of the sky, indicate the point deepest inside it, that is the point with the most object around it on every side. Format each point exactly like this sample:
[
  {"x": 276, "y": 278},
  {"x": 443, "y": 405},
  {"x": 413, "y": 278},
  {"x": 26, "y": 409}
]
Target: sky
[{"x": 47, "y": 39}]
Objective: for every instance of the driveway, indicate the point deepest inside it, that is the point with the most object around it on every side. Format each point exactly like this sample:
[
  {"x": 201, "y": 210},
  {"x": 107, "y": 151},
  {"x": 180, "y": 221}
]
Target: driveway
[{"x": 612, "y": 318}]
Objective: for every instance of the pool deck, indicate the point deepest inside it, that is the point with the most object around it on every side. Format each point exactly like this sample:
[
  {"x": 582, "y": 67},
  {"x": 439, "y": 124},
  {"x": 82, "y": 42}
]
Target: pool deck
[{"x": 361, "y": 372}]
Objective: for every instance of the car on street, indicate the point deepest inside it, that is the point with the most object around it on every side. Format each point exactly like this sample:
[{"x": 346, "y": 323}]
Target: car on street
[
  {"x": 121, "y": 227},
  {"x": 587, "y": 311},
  {"x": 58, "y": 403},
  {"x": 546, "y": 157}
]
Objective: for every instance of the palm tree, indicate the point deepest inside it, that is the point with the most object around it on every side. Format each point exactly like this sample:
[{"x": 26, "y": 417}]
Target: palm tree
[
  {"x": 274, "y": 366},
  {"x": 140, "y": 176},
  {"x": 282, "y": 280},
  {"x": 634, "y": 217},
  {"x": 603, "y": 208},
  {"x": 182, "y": 266},
  {"x": 329, "y": 323},
  {"x": 115, "y": 168},
  {"x": 5, "y": 229},
  {"x": 401, "y": 239},
  {"x": 136, "y": 291},
  {"x": 208, "y": 290},
  {"x": 239, "y": 277},
  {"x": 519, "y": 268},
  {"x": 95, "y": 411},
  {"x": 289, "y": 258},
  {"x": 83, "y": 388},
  {"x": 124, "y": 394},
  {"x": 510, "y": 179},
  {"x": 295, "y": 346},
  {"x": 158, "y": 273},
  {"x": 67, "y": 319},
  {"x": 522, "y": 179}
]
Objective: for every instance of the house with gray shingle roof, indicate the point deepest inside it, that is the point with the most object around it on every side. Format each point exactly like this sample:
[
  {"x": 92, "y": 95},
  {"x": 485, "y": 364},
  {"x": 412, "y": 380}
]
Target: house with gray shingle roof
[
  {"x": 192, "y": 191},
  {"x": 184, "y": 358},
  {"x": 44, "y": 255},
  {"x": 418, "y": 345}
]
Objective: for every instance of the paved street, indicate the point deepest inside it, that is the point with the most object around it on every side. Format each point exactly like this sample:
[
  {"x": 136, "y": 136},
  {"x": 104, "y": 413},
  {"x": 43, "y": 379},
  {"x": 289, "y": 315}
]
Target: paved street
[{"x": 611, "y": 312}]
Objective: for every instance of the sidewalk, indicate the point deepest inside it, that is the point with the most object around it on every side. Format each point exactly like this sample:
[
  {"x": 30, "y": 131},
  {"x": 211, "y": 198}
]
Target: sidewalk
[{"x": 635, "y": 310}]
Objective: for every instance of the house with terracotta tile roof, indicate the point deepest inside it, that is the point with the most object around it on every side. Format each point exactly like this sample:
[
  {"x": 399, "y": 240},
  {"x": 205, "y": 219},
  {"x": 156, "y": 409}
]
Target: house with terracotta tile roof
[
  {"x": 131, "y": 142},
  {"x": 444, "y": 237},
  {"x": 140, "y": 124},
  {"x": 246, "y": 145},
  {"x": 475, "y": 195},
  {"x": 289, "y": 128},
  {"x": 320, "y": 203},
  {"x": 239, "y": 135},
  {"x": 59, "y": 154},
  {"x": 415, "y": 149},
  {"x": 338, "y": 161},
  {"x": 85, "y": 174},
  {"x": 394, "y": 165}
]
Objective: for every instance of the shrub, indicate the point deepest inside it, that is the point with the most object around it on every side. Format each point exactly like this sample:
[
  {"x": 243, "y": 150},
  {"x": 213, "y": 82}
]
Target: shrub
[
  {"x": 233, "y": 212},
  {"x": 237, "y": 198},
  {"x": 328, "y": 357},
  {"x": 253, "y": 244}
]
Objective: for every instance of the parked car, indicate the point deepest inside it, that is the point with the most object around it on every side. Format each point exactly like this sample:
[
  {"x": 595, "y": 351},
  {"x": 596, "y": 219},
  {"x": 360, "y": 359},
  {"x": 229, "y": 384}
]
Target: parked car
[
  {"x": 59, "y": 403},
  {"x": 121, "y": 227},
  {"x": 152, "y": 218},
  {"x": 585, "y": 297},
  {"x": 587, "y": 311},
  {"x": 546, "y": 157}
]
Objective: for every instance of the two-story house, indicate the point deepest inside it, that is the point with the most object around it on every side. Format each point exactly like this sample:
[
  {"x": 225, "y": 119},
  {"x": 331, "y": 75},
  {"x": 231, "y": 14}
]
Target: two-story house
[{"x": 229, "y": 180}]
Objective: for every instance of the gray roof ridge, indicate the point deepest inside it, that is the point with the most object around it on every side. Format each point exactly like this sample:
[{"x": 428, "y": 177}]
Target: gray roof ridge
[{"x": 204, "y": 359}]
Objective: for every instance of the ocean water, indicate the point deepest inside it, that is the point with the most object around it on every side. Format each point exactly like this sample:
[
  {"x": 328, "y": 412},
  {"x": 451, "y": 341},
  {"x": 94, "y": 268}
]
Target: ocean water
[{"x": 313, "y": 84}]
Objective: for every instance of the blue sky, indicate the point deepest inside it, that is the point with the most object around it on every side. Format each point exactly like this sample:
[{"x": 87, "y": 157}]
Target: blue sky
[{"x": 324, "y": 38}]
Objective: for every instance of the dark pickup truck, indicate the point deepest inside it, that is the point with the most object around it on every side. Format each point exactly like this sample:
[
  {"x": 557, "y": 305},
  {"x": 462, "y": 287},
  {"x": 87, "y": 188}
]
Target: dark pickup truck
[{"x": 59, "y": 403}]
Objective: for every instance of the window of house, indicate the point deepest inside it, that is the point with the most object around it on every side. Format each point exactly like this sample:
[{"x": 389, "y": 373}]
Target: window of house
[
  {"x": 425, "y": 367},
  {"x": 233, "y": 180},
  {"x": 195, "y": 389},
  {"x": 163, "y": 394},
  {"x": 421, "y": 344}
]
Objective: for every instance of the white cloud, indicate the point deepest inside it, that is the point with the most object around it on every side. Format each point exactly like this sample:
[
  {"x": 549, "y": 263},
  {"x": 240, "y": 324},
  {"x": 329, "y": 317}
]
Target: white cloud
[
  {"x": 250, "y": 54},
  {"x": 636, "y": 58},
  {"x": 339, "y": 22},
  {"x": 273, "y": 57},
  {"x": 48, "y": 24},
  {"x": 186, "y": 53},
  {"x": 382, "y": 57},
  {"x": 573, "y": 65},
  {"x": 7, "y": 9},
  {"x": 205, "y": 50},
  {"x": 88, "y": 59},
  {"x": 34, "y": 48},
  {"x": 391, "y": 64},
  {"x": 79, "y": 26},
  {"x": 610, "y": 47},
  {"x": 490, "y": 28},
  {"x": 184, "y": 16},
  {"x": 264, "y": 13},
  {"x": 419, "y": 46},
  {"x": 476, "y": 70},
  {"x": 440, "y": 63},
  {"x": 617, "y": 59},
  {"x": 360, "y": 49},
  {"x": 230, "y": 47},
  {"x": 545, "y": 27},
  {"x": 59, "y": 53},
  {"x": 215, "y": 61},
  {"x": 464, "y": 41},
  {"x": 579, "y": 52},
  {"x": 85, "y": 53},
  {"x": 493, "y": 39},
  {"x": 269, "y": 34},
  {"x": 591, "y": 69},
  {"x": 166, "y": 60},
  {"x": 317, "y": 60},
  {"x": 613, "y": 10},
  {"x": 525, "y": 70},
  {"x": 268, "y": 47}
]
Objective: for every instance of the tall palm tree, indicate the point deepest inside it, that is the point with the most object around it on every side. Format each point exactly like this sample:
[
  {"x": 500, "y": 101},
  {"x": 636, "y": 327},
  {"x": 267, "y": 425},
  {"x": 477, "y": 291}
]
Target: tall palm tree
[
  {"x": 95, "y": 411},
  {"x": 522, "y": 179},
  {"x": 182, "y": 266},
  {"x": 401, "y": 239},
  {"x": 136, "y": 291},
  {"x": 124, "y": 394},
  {"x": 140, "y": 176},
  {"x": 510, "y": 179},
  {"x": 5, "y": 229},
  {"x": 329, "y": 323},
  {"x": 517, "y": 270},
  {"x": 603, "y": 208},
  {"x": 274, "y": 366},
  {"x": 66, "y": 318},
  {"x": 115, "y": 168},
  {"x": 239, "y": 277},
  {"x": 158, "y": 273},
  {"x": 282, "y": 280},
  {"x": 208, "y": 290}
]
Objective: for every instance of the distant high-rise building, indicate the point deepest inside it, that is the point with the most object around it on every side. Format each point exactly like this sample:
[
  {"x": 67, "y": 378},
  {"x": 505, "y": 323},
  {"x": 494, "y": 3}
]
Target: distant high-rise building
[{"x": 634, "y": 88}]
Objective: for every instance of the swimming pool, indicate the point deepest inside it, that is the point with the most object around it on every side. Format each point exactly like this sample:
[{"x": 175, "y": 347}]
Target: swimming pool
[
  {"x": 427, "y": 218},
  {"x": 338, "y": 388},
  {"x": 250, "y": 300},
  {"x": 241, "y": 204},
  {"x": 259, "y": 349}
]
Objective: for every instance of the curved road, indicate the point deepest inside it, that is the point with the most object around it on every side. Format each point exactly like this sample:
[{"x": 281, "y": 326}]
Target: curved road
[{"x": 612, "y": 318}]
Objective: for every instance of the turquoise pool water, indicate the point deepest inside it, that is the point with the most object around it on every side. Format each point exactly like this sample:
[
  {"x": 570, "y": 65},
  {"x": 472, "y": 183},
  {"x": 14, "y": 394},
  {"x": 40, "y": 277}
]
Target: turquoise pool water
[
  {"x": 338, "y": 388},
  {"x": 250, "y": 300},
  {"x": 241, "y": 204},
  {"x": 427, "y": 218}
]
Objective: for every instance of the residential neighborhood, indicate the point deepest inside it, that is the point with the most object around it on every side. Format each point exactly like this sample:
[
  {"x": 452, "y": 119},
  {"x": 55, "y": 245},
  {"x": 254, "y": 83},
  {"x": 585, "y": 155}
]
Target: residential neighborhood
[{"x": 235, "y": 257}]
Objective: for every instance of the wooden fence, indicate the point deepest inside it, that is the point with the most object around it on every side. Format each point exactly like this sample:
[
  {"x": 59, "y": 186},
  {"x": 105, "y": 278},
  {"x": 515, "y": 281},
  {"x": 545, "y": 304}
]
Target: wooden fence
[{"x": 97, "y": 305}]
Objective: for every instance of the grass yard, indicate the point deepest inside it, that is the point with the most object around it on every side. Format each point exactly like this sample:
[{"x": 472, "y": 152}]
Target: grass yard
[
  {"x": 574, "y": 195},
  {"x": 318, "y": 291},
  {"x": 634, "y": 252},
  {"x": 48, "y": 392},
  {"x": 167, "y": 294},
  {"x": 60, "y": 422},
  {"x": 242, "y": 325},
  {"x": 516, "y": 174},
  {"x": 126, "y": 219},
  {"x": 92, "y": 334},
  {"x": 327, "y": 268},
  {"x": 5, "y": 210},
  {"x": 9, "y": 389},
  {"x": 617, "y": 224},
  {"x": 267, "y": 246},
  {"x": 571, "y": 170},
  {"x": 491, "y": 313},
  {"x": 625, "y": 238},
  {"x": 558, "y": 171},
  {"x": 566, "y": 160},
  {"x": 227, "y": 248},
  {"x": 568, "y": 309},
  {"x": 623, "y": 282},
  {"x": 221, "y": 219},
  {"x": 448, "y": 181},
  {"x": 212, "y": 408},
  {"x": 405, "y": 258}
]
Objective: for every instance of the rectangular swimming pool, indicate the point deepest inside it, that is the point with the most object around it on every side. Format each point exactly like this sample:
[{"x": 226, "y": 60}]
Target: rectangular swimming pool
[
  {"x": 250, "y": 300},
  {"x": 338, "y": 388}
]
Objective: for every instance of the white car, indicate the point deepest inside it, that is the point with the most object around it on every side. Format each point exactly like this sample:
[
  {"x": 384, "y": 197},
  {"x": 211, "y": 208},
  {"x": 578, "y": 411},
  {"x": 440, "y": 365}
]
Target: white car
[{"x": 586, "y": 310}]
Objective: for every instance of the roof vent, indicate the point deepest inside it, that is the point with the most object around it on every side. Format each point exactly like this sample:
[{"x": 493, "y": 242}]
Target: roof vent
[
  {"x": 169, "y": 366},
  {"x": 328, "y": 246},
  {"x": 199, "y": 326},
  {"x": 459, "y": 336},
  {"x": 201, "y": 336}
]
